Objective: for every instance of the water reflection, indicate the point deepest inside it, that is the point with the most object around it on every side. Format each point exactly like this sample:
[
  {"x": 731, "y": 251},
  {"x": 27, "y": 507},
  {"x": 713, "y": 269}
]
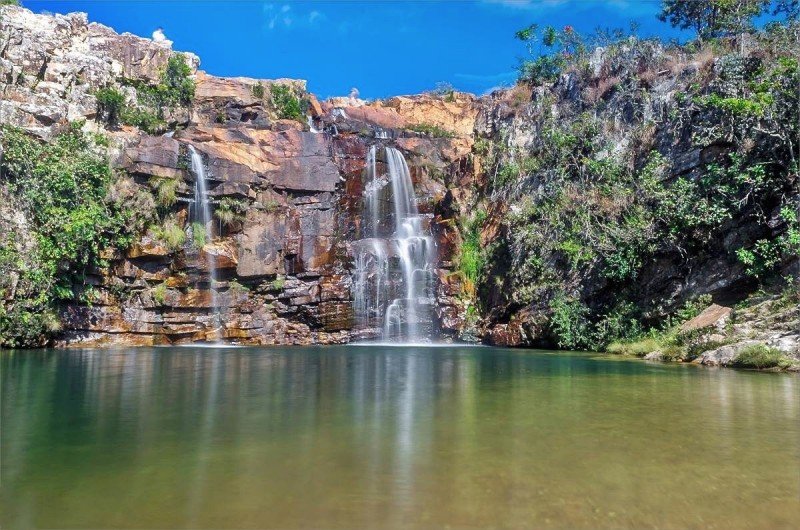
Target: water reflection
[{"x": 368, "y": 437}]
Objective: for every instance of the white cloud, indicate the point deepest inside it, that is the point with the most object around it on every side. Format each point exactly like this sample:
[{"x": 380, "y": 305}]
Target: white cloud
[
  {"x": 160, "y": 38},
  {"x": 627, "y": 7},
  {"x": 527, "y": 4},
  {"x": 284, "y": 16}
]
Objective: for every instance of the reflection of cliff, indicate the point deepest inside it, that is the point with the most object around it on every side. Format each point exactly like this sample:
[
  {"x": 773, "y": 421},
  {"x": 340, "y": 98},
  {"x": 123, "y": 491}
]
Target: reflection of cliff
[{"x": 344, "y": 437}]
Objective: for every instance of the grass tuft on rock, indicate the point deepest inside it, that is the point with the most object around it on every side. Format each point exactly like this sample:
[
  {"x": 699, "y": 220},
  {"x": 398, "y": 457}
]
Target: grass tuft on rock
[{"x": 761, "y": 356}]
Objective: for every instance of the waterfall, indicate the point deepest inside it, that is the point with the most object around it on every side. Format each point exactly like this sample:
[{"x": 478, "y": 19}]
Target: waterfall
[
  {"x": 202, "y": 215},
  {"x": 310, "y": 122},
  {"x": 394, "y": 277}
]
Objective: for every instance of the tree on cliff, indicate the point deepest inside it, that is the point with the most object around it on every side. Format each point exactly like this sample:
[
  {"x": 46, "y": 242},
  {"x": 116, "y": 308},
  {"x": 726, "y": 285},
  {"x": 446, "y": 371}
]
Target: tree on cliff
[{"x": 715, "y": 18}]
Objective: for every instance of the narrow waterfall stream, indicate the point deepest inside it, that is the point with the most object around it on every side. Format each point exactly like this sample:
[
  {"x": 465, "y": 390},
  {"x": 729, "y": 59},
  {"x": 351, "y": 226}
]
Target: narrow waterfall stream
[
  {"x": 202, "y": 215},
  {"x": 394, "y": 279}
]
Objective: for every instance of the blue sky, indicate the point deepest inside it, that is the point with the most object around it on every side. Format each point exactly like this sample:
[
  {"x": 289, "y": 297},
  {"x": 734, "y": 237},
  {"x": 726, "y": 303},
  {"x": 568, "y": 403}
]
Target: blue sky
[{"x": 382, "y": 48}]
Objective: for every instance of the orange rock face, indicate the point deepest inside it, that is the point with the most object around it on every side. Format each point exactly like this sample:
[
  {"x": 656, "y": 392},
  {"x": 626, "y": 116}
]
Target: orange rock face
[{"x": 293, "y": 196}]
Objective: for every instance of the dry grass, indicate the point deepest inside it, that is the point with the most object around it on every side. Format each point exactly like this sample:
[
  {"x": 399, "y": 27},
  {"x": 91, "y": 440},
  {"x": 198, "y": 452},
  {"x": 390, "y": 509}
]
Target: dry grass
[
  {"x": 603, "y": 85},
  {"x": 518, "y": 96}
]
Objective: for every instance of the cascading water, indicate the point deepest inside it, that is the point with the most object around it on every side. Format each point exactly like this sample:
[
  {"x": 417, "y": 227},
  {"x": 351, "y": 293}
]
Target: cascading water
[
  {"x": 394, "y": 279},
  {"x": 202, "y": 215}
]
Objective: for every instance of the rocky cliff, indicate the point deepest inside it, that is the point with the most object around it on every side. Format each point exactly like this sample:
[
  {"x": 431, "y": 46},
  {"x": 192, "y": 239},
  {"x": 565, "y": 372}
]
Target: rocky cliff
[
  {"x": 570, "y": 212},
  {"x": 637, "y": 186},
  {"x": 294, "y": 185}
]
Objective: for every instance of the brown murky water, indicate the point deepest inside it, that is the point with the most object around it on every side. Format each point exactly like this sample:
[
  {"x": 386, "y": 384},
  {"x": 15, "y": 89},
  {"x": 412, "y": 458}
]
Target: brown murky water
[{"x": 382, "y": 437}]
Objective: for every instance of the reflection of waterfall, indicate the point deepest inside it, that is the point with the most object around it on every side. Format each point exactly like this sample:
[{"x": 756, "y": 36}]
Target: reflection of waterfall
[
  {"x": 395, "y": 259},
  {"x": 202, "y": 215}
]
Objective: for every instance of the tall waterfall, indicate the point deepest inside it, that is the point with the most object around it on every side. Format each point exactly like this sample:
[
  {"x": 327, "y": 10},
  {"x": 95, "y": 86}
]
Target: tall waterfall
[
  {"x": 202, "y": 215},
  {"x": 394, "y": 279}
]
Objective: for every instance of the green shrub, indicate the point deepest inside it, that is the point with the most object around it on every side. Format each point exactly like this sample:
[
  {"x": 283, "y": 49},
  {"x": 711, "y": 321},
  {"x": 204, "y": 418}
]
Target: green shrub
[
  {"x": 761, "y": 356},
  {"x": 469, "y": 256},
  {"x": 175, "y": 88},
  {"x": 165, "y": 190},
  {"x": 176, "y": 85},
  {"x": 569, "y": 323},
  {"x": 431, "y": 130},
  {"x": 762, "y": 259},
  {"x": 286, "y": 104},
  {"x": 146, "y": 120},
  {"x": 258, "y": 90},
  {"x": 160, "y": 294},
  {"x": 170, "y": 233},
  {"x": 278, "y": 283},
  {"x": 63, "y": 189},
  {"x": 198, "y": 235},
  {"x": 110, "y": 105},
  {"x": 230, "y": 211}
]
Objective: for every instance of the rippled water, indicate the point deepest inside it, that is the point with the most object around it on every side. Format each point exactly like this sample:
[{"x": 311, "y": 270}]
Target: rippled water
[{"x": 387, "y": 437}]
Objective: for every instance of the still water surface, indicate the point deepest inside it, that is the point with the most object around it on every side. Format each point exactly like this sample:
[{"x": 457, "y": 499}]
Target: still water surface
[{"x": 389, "y": 437}]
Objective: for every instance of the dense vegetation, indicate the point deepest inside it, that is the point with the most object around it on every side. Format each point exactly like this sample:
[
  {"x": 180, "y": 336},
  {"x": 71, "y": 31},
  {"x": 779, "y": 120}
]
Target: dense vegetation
[
  {"x": 63, "y": 190},
  {"x": 151, "y": 102},
  {"x": 596, "y": 198}
]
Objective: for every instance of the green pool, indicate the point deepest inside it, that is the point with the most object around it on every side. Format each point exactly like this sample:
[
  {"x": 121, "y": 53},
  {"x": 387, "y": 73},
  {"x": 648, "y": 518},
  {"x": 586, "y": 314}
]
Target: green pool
[{"x": 392, "y": 437}]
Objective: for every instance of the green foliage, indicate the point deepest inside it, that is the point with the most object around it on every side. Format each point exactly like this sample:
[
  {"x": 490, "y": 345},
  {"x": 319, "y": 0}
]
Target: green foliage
[
  {"x": 713, "y": 18},
  {"x": 445, "y": 90},
  {"x": 110, "y": 104},
  {"x": 739, "y": 107},
  {"x": 637, "y": 348},
  {"x": 258, "y": 90},
  {"x": 159, "y": 293},
  {"x": 562, "y": 48},
  {"x": 692, "y": 308},
  {"x": 165, "y": 190},
  {"x": 230, "y": 211},
  {"x": 146, "y": 120},
  {"x": 9, "y": 2},
  {"x": 170, "y": 233},
  {"x": 278, "y": 283},
  {"x": 765, "y": 255},
  {"x": 175, "y": 88},
  {"x": 286, "y": 103},
  {"x": 760, "y": 356},
  {"x": 237, "y": 287},
  {"x": 470, "y": 257},
  {"x": 431, "y": 130},
  {"x": 569, "y": 323},
  {"x": 62, "y": 187},
  {"x": 198, "y": 235}
]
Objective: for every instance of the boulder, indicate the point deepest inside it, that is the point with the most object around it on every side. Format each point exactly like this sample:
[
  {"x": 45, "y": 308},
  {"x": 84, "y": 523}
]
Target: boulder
[{"x": 714, "y": 316}]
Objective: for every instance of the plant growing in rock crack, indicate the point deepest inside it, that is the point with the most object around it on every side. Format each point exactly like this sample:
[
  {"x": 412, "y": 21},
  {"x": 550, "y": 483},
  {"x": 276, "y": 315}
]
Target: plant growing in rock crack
[
  {"x": 230, "y": 212},
  {"x": 165, "y": 190},
  {"x": 110, "y": 105},
  {"x": 258, "y": 90},
  {"x": 286, "y": 104},
  {"x": 159, "y": 293},
  {"x": 175, "y": 88},
  {"x": 198, "y": 235},
  {"x": 278, "y": 283},
  {"x": 170, "y": 233}
]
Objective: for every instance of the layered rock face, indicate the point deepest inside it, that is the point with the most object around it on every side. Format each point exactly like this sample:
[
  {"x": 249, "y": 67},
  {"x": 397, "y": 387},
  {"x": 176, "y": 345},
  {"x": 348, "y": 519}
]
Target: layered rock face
[
  {"x": 284, "y": 263},
  {"x": 528, "y": 158}
]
